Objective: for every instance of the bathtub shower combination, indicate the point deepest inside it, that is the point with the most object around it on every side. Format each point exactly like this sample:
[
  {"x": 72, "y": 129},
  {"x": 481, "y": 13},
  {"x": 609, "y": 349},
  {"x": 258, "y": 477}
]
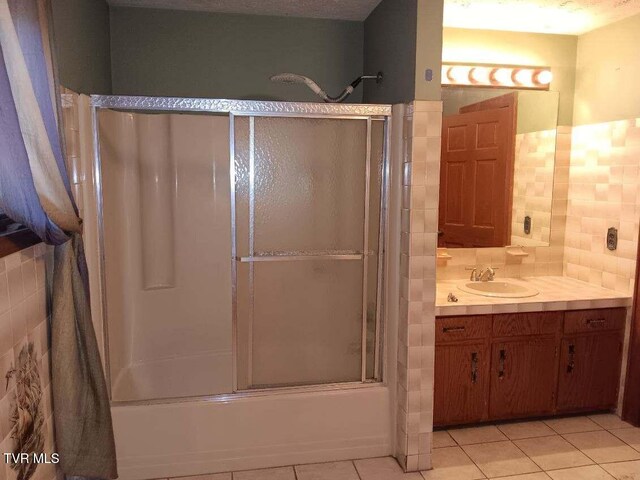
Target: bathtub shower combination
[{"x": 242, "y": 257}]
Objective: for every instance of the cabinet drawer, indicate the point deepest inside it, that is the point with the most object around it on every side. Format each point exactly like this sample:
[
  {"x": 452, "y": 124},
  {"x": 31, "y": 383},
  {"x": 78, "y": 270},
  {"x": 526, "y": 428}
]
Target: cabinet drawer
[
  {"x": 579, "y": 321},
  {"x": 535, "y": 323},
  {"x": 453, "y": 329}
]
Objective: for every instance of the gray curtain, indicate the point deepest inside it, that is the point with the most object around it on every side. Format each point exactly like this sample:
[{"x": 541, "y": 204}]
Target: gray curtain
[{"x": 35, "y": 191}]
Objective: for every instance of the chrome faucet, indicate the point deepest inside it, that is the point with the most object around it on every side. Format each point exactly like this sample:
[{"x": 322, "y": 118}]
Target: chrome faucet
[
  {"x": 487, "y": 274},
  {"x": 484, "y": 275},
  {"x": 474, "y": 277}
]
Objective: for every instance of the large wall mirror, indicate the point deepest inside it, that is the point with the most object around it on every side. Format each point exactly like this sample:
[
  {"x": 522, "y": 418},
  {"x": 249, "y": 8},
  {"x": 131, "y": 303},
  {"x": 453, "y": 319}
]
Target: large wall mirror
[{"x": 496, "y": 173}]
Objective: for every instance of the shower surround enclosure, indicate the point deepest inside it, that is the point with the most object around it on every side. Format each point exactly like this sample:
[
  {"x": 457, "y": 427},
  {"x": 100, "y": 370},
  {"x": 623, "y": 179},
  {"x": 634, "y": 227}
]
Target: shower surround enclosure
[{"x": 242, "y": 256}]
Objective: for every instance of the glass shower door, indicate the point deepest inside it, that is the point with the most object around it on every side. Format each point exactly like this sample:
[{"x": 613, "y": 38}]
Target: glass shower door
[{"x": 307, "y": 228}]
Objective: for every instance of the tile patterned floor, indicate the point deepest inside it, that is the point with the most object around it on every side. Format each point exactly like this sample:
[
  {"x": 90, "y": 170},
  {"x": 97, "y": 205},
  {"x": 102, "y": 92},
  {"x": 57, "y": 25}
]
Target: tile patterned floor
[{"x": 597, "y": 447}]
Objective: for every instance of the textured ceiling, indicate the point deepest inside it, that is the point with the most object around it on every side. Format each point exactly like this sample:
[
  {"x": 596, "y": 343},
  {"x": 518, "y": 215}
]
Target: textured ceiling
[
  {"x": 336, "y": 9},
  {"x": 545, "y": 16}
]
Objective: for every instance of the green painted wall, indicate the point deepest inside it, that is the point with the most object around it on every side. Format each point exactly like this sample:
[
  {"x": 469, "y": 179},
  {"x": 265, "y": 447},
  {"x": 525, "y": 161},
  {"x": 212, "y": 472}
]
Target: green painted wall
[
  {"x": 390, "y": 47},
  {"x": 429, "y": 50},
  {"x": 608, "y": 73},
  {"x": 515, "y": 48},
  {"x": 196, "y": 54},
  {"x": 81, "y": 32}
]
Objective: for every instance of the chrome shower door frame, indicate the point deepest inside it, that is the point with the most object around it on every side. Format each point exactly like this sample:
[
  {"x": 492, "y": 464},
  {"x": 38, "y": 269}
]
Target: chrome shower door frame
[{"x": 247, "y": 108}]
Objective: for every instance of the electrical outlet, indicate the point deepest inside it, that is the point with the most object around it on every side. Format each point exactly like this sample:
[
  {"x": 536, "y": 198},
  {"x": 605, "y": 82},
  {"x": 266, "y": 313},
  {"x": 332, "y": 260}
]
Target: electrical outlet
[
  {"x": 527, "y": 225},
  {"x": 612, "y": 238}
]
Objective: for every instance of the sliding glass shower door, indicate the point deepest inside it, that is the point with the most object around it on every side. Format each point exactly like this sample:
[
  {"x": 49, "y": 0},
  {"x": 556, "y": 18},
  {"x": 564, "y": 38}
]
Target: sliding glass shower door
[{"x": 307, "y": 236}]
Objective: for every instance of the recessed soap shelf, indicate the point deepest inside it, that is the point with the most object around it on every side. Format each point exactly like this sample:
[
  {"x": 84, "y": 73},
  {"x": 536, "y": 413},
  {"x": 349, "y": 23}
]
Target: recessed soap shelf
[
  {"x": 442, "y": 254},
  {"x": 516, "y": 251}
]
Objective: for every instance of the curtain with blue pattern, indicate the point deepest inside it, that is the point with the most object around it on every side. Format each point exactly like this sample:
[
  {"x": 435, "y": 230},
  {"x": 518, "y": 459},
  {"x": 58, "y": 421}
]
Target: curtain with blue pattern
[{"x": 35, "y": 191}]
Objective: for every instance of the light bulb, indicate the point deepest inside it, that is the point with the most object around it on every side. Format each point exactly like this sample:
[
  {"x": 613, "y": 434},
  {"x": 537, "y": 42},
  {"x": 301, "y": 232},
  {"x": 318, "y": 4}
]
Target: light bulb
[
  {"x": 459, "y": 75},
  {"x": 543, "y": 77},
  {"x": 445, "y": 74},
  {"x": 524, "y": 77},
  {"x": 503, "y": 76},
  {"x": 481, "y": 75}
]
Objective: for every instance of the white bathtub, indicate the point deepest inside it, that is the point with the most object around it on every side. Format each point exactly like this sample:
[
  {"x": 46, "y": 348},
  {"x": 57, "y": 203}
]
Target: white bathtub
[{"x": 198, "y": 437}]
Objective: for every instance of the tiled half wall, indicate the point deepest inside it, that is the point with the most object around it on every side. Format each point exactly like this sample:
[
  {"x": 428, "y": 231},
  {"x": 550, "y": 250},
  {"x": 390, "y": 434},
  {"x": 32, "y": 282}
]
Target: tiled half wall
[{"x": 416, "y": 334}]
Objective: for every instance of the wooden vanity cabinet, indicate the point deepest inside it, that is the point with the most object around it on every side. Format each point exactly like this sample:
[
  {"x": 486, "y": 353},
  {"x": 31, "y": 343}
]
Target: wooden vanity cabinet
[
  {"x": 462, "y": 353},
  {"x": 524, "y": 364},
  {"x": 495, "y": 367},
  {"x": 523, "y": 378},
  {"x": 590, "y": 360}
]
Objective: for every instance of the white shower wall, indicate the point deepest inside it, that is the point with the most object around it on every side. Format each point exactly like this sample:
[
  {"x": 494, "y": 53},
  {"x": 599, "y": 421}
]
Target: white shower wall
[{"x": 167, "y": 251}]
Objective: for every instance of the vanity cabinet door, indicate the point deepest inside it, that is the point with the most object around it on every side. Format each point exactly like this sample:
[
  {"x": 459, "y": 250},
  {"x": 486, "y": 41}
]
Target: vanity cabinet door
[
  {"x": 589, "y": 371},
  {"x": 461, "y": 383},
  {"x": 523, "y": 377}
]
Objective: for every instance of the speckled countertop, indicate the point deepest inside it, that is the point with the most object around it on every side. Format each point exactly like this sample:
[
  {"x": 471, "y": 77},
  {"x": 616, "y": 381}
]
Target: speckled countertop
[{"x": 556, "y": 293}]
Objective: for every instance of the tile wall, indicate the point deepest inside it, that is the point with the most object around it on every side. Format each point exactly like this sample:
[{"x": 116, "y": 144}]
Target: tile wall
[
  {"x": 24, "y": 318},
  {"x": 416, "y": 334},
  {"x": 541, "y": 261},
  {"x": 533, "y": 187},
  {"x": 604, "y": 191}
]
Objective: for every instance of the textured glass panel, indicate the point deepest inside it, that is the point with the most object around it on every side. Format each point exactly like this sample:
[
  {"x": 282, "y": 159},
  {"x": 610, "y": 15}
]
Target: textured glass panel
[
  {"x": 307, "y": 322},
  {"x": 309, "y": 184},
  {"x": 242, "y": 167},
  {"x": 301, "y": 189}
]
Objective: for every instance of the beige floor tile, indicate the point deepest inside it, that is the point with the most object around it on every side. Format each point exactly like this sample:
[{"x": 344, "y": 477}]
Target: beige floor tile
[
  {"x": 471, "y": 435},
  {"x": 593, "y": 472},
  {"x": 443, "y": 439},
  {"x": 451, "y": 463},
  {"x": 215, "y": 476},
  {"x": 281, "y": 473},
  {"x": 499, "y": 459},
  {"x": 520, "y": 430},
  {"x": 384, "y": 468},
  {"x": 327, "y": 471},
  {"x": 610, "y": 421},
  {"x": 572, "y": 425},
  {"x": 552, "y": 453},
  {"x": 630, "y": 436},
  {"x": 528, "y": 476},
  {"x": 624, "y": 470},
  {"x": 602, "y": 446}
]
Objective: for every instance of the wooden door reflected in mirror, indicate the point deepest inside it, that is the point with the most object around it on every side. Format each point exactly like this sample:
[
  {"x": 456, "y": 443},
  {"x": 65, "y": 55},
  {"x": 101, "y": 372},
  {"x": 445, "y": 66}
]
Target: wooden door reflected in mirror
[{"x": 497, "y": 163}]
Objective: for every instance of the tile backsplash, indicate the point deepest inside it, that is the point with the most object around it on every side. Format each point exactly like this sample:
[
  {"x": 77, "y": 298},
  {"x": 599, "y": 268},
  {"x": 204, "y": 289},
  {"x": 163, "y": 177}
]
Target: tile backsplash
[
  {"x": 604, "y": 192},
  {"x": 24, "y": 319},
  {"x": 533, "y": 187}
]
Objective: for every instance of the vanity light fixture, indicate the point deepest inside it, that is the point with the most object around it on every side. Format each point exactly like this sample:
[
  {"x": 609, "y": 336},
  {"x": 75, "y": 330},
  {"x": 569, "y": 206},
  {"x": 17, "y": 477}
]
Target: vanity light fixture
[{"x": 503, "y": 76}]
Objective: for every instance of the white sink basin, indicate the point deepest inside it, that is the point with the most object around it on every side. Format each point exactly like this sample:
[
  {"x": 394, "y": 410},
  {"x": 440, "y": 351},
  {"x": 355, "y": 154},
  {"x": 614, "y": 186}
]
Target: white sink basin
[{"x": 500, "y": 288}]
